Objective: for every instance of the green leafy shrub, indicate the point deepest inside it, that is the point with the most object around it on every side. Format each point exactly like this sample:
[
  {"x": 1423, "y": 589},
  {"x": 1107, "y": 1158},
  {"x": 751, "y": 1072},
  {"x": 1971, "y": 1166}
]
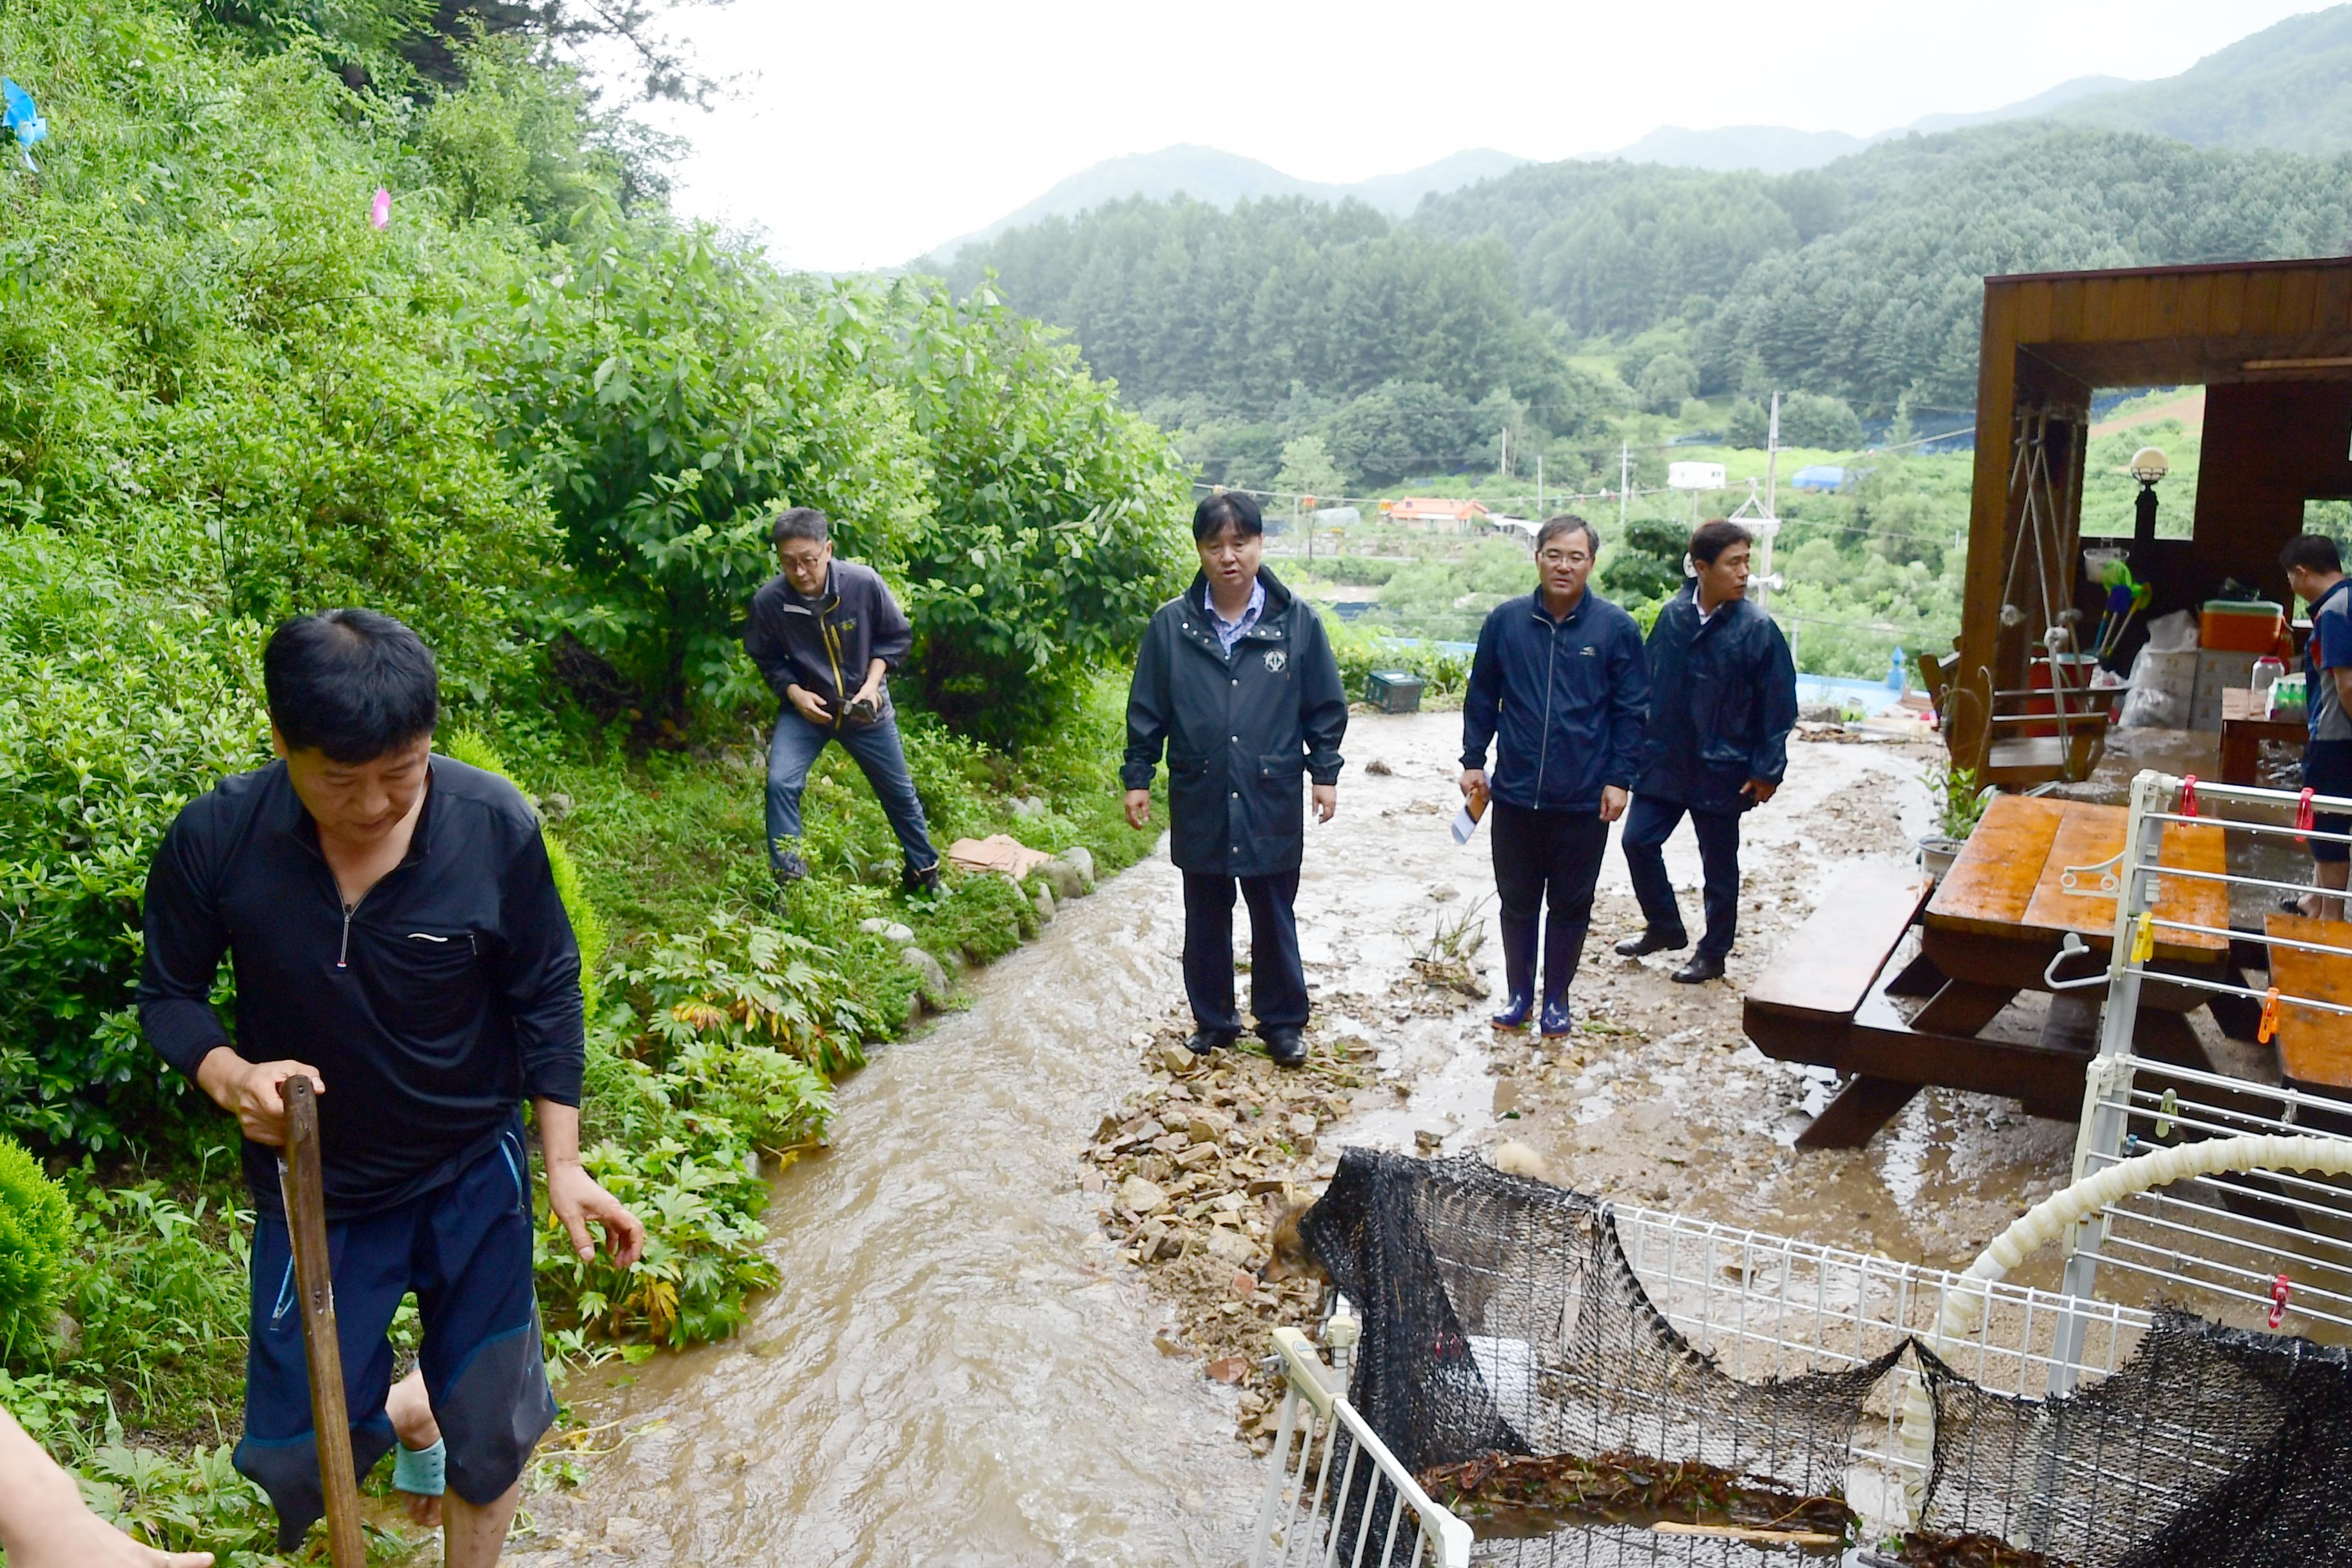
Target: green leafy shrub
[
  {"x": 113, "y": 712},
  {"x": 1057, "y": 516},
  {"x": 158, "y": 1290},
  {"x": 718, "y": 1045},
  {"x": 1443, "y": 673},
  {"x": 671, "y": 392},
  {"x": 36, "y": 1228}
]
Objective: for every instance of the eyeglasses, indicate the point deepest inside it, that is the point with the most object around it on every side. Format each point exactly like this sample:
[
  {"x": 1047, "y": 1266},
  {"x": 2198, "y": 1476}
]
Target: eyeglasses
[{"x": 1555, "y": 558}]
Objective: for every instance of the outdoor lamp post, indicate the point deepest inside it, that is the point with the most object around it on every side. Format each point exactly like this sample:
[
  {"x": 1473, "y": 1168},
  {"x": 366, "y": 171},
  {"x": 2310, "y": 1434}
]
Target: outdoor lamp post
[{"x": 2147, "y": 466}]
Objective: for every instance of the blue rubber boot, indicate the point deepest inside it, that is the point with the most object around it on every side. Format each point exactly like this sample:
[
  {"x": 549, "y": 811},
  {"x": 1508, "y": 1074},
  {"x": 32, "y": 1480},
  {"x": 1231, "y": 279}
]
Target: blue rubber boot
[
  {"x": 1518, "y": 973},
  {"x": 1559, "y": 1021}
]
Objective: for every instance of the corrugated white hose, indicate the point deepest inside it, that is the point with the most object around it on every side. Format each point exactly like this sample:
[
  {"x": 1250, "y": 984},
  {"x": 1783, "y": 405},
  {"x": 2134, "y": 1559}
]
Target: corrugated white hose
[{"x": 2049, "y": 1219}]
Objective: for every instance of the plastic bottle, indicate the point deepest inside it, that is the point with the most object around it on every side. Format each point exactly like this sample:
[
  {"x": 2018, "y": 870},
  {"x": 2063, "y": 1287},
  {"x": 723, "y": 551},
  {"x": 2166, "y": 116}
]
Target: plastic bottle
[{"x": 2267, "y": 669}]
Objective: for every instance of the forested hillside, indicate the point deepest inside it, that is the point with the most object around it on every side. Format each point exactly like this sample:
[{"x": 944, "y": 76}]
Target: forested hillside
[
  {"x": 359, "y": 304},
  {"x": 2288, "y": 86},
  {"x": 1859, "y": 281}
]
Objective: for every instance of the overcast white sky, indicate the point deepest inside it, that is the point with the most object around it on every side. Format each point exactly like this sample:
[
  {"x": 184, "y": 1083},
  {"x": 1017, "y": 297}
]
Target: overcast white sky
[{"x": 861, "y": 134}]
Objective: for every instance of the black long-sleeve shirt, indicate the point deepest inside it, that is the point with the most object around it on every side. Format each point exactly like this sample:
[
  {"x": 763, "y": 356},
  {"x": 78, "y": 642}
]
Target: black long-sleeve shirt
[{"x": 447, "y": 994}]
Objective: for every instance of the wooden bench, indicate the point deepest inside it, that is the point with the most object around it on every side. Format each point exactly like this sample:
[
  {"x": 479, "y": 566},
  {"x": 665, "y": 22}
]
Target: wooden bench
[
  {"x": 2314, "y": 1047},
  {"x": 1802, "y": 1008}
]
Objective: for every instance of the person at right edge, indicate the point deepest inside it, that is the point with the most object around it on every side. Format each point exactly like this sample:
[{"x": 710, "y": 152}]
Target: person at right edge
[
  {"x": 1559, "y": 687},
  {"x": 1237, "y": 680},
  {"x": 2315, "y": 573},
  {"x": 1723, "y": 698}
]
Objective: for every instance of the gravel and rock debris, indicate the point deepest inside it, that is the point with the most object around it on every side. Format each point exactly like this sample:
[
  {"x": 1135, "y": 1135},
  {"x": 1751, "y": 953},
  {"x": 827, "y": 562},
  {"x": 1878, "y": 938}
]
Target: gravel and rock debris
[{"x": 1190, "y": 1175}]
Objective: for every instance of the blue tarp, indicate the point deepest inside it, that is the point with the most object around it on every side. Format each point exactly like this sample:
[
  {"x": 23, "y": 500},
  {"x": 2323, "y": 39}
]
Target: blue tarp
[{"x": 1820, "y": 477}]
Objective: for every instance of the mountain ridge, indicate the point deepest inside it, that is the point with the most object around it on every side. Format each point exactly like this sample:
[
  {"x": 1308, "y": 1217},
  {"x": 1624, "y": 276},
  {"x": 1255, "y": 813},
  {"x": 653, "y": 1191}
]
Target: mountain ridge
[{"x": 1221, "y": 178}]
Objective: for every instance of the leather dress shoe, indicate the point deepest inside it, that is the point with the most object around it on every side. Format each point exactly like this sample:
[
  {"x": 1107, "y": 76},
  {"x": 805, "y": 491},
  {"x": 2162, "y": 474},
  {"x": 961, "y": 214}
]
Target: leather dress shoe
[
  {"x": 1702, "y": 968},
  {"x": 1286, "y": 1044},
  {"x": 1651, "y": 941}
]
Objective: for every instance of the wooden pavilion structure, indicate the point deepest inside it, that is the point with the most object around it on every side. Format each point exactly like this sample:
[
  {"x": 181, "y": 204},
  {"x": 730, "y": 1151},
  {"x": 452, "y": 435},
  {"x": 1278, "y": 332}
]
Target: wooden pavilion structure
[{"x": 2271, "y": 342}]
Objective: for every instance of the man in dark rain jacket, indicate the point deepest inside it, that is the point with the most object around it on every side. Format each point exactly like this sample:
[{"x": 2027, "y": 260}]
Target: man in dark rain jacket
[
  {"x": 1723, "y": 698},
  {"x": 1236, "y": 678},
  {"x": 1557, "y": 686}
]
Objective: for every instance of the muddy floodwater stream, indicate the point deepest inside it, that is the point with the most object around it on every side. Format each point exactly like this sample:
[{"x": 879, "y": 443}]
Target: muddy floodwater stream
[
  {"x": 960, "y": 1366},
  {"x": 957, "y": 1368}
]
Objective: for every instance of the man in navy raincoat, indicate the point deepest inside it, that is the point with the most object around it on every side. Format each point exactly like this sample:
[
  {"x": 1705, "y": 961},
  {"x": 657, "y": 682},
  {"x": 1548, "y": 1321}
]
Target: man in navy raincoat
[
  {"x": 1558, "y": 688},
  {"x": 1723, "y": 698},
  {"x": 1236, "y": 679}
]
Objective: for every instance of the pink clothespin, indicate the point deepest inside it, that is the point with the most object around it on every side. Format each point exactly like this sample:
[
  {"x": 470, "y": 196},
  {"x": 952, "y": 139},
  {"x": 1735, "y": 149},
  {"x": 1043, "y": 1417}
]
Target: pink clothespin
[
  {"x": 2302, "y": 812},
  {"x": 2189, "y": 795},
  {"x": 2280, "y": 1288}
]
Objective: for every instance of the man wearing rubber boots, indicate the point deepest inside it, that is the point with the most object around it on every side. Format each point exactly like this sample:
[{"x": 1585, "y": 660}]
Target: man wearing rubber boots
[
  {"x": 1559, "y": 690},
  {"x": 1236, "y": 679},
  {"x": 398, "y": 938},
  {"x": 1723, "y": 698}
]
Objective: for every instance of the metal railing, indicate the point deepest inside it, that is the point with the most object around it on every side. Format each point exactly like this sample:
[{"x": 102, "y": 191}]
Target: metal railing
[
  {"x": 2273, "y": 1250},
  {"x": 1371, "y": 1513}
]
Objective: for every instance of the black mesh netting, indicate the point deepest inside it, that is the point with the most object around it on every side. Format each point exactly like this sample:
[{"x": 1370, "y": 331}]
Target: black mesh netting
[{"x": 1502, "y": 1316}]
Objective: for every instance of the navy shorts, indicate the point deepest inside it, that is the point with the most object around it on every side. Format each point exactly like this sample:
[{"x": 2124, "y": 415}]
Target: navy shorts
[
  {"x": 2327, "y": 768},
  {"x": 466, "y": 1250}
]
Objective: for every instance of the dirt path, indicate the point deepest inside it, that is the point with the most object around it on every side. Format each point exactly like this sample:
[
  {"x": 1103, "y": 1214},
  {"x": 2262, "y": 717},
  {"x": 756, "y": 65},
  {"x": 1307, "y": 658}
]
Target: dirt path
[{"x": 980, "y": 1355}]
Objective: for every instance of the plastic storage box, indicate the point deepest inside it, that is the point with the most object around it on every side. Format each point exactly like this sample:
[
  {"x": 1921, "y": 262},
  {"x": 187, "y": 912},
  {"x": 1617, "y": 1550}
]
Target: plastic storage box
[
  {"x": 1394, "y": 691},
  {"x": 2240, "y": 625}
]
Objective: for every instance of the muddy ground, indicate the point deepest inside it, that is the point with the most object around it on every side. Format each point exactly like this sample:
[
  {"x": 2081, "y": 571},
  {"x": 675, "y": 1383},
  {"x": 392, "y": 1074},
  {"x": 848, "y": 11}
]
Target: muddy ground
[
  {"x": 982, "y": 1353},
  {"x": 1657, "y": 1099}
]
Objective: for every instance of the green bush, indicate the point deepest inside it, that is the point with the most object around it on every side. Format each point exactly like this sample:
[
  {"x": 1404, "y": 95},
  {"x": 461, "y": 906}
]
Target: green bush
[
  {"x": 36, "y": 1228},
  {"x": 1058, "y": 519},
  {"x": 118, "y": 702},
  {"x": 718, "y": 1045}
]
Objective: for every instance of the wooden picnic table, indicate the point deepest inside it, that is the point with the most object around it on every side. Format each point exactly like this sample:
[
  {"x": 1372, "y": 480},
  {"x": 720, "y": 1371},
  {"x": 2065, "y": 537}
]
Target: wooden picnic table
[
  {"x": 1989, "y": 932},
  {"x": 2244, "y": 731},
  {"x": 2315, "y": 1046}
]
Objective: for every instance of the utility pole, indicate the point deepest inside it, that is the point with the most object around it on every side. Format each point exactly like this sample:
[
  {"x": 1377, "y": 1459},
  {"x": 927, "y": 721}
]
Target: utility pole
[
  {"x": 1503, "y": 452},
  {"x": 1624, "y": 483},
  {"x": 1540, "y": 506},
  {"x": 1772, "y": 462}
]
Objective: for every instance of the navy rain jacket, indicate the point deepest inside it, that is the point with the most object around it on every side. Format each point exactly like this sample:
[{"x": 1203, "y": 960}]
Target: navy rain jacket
[
  {"x": 825, "y": 644},
  {"x": 431, "y": 1009},
  {"x": 1239, "y": 729},
  {"x": 1562, "y": 701},
  {"x": 1723, "y": 701}
]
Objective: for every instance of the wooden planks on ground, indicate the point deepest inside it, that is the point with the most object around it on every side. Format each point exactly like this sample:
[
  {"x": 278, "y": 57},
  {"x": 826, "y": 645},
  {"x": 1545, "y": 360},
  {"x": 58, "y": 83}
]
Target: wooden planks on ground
[
  {"x": 2314, "y": 1047},
  {"x": 1825, "y": 967}
]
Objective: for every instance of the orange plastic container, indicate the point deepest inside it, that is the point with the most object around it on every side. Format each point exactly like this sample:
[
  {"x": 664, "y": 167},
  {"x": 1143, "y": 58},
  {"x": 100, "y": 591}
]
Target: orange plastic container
[{"x": 2230, "y": 626}]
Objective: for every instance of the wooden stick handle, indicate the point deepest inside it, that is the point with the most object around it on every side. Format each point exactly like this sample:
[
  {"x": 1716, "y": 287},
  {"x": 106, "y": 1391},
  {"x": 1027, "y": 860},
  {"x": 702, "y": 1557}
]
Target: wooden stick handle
[{"x": 306, "y": 1223}]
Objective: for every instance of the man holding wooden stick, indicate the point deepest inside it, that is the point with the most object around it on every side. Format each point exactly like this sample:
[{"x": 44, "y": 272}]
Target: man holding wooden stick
[{"x": 396, "y": 939}]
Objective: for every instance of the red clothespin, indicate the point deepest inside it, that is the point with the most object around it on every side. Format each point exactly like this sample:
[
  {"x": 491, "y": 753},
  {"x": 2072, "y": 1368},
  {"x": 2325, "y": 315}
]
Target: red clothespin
[
  {"x": 2189, "y": 795},
  {"x": 2280, "y": 1288},
  {"x": 2269, "y": 1025},
  {"x": 2302, "y": 812}
]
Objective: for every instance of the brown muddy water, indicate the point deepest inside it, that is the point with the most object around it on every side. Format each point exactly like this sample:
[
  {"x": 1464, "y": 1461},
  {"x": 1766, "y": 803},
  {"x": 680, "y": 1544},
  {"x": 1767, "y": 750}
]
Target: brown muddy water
[{"x": 959, "y": 1368}]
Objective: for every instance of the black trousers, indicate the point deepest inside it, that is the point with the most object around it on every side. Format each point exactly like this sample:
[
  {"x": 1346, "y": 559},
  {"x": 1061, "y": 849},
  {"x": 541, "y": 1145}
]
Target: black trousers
[
  {"x": 1648, "y": 825},
  {"x": 1539, "y": 857},
  {"x": 1278, "y": 979}
]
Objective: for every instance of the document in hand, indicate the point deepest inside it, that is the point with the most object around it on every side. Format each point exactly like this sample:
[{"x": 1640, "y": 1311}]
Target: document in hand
[{"x": 1465, "y": 821}]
